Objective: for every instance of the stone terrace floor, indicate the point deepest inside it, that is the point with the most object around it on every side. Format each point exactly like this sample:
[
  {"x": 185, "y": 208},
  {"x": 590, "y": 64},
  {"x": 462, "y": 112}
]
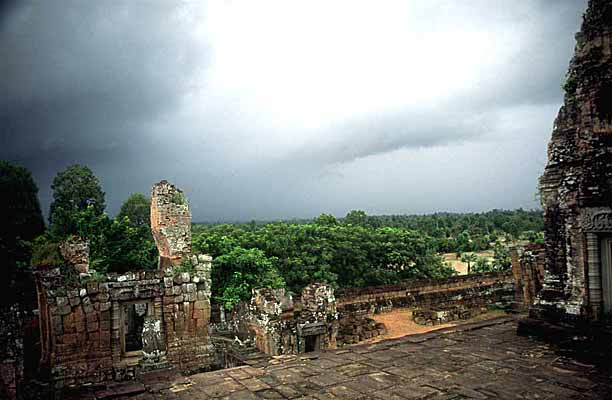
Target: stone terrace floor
[{"x": 485, "y": 360}]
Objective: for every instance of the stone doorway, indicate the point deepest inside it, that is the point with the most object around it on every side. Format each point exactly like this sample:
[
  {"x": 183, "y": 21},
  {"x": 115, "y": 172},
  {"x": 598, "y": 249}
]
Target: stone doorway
[
  {"x": 133, "y": 316},
  {"x": 606, "y": 274},
  {"x": 312, "y": 343}
]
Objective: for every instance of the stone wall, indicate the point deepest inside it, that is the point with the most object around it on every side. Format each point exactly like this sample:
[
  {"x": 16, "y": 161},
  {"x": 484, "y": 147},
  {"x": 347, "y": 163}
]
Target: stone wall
[
  {"x": 471, "y": 291},
  {"x": 576, "y": 187},
  {"x": 528, "y": 265},
  {"x": 354, "y": 329},
  {"x": 11, "y": 350},
  {"x": 443, "y": 315},
  {"x": 19, "y": 339},
  {"x": 83, "y": 324},
  {"x": 277, "y": 324}
]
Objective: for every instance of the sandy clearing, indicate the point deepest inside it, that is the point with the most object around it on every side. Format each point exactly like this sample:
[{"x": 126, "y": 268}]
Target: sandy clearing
[{"x": 399, "y": 323}]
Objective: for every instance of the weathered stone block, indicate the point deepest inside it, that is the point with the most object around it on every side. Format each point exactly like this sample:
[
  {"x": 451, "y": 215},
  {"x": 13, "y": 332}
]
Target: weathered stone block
[
  {"x": 62, "y": 301},
  {"x": 92, "y": 326},
  {"x": 75, "y": 251},
  {"x": 92, "y": 287},
  {"x": 64, "y": 310}
]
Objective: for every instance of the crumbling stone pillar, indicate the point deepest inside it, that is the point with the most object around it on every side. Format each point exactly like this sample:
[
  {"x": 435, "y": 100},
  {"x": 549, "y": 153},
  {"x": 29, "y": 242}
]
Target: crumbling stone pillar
[
  {"x": 576, "y": 188},
  {"x": 186, "y": 303},
  {"x": 528, "y": 272},
  {"x": 266, "y": 309},
  {"x": 75, "y": 251},
  {"x": 170, "y": 223},
  {"x": 318, "y": 316}
]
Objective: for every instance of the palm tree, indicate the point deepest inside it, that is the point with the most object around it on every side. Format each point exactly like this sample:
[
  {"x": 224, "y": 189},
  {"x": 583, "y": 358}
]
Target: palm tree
[{"x": 469, "y": 258}]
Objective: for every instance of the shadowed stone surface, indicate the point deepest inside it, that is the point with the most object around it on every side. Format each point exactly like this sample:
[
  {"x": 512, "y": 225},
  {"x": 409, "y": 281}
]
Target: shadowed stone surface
[
  {"x": 576, "y": 188},
  {"x": 486, "y": 360}
]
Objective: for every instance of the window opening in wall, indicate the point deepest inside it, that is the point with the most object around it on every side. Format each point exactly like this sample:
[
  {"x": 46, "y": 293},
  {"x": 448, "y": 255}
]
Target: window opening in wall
[
  {"x": 311, "y": 343},
  {"x": 133, "y": 321}
]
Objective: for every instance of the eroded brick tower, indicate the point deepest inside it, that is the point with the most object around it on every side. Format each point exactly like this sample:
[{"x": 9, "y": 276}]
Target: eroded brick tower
[{"x": 576, "y": 188}]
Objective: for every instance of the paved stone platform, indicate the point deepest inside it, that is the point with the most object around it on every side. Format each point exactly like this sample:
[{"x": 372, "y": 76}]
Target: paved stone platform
[{"x": 480, "y": 361}]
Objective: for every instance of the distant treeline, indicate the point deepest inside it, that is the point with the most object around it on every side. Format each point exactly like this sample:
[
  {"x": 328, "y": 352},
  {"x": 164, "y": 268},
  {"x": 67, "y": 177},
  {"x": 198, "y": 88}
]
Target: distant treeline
[
  {"x": 357, "y": 250},
  {"x": 456, "y": 232},
  {"x": 460, "y": 232}
]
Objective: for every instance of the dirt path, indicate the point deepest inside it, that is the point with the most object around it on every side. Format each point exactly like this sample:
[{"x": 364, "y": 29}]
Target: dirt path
[{"x": 399, "y": 323}]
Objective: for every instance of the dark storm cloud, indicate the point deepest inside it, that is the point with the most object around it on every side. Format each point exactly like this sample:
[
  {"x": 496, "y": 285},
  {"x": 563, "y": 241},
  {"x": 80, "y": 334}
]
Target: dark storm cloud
[
  {"x": 126, "y": 88},
  {"x": 82, "y": 77}
]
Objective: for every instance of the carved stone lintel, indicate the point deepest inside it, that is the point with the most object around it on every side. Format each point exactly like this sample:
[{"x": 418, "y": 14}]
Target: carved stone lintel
[{"x": 597, "y": 219}]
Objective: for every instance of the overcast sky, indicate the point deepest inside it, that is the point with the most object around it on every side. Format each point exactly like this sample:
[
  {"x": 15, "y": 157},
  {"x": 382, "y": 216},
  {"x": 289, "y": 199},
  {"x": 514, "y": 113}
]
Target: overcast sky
[{"x": 280, "y": 109}]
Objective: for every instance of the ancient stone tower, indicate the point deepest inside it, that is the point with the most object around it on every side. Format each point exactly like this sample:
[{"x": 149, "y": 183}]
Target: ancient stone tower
[
  {"x": 170, "y": 223},
  {"x": 576, "y": 188}
]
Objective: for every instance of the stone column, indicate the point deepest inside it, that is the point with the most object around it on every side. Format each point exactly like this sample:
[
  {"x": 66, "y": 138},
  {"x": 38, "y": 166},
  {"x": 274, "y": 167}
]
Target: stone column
[{"x": 594, "y": 273}]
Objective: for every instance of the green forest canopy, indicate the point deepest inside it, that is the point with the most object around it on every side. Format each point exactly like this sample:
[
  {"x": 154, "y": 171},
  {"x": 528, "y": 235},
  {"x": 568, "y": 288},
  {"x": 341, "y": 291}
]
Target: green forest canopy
[{"x": 358, "y": 250}]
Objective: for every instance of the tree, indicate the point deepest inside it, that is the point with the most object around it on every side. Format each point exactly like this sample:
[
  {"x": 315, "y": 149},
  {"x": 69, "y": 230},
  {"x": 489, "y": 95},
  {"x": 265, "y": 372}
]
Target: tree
[
  {"x": 326, "y": 219},
  {"x": 482, "y": 265},
  {"x": 469, "y": 258},
  {"x": 137, "y": 209},
  {"x": 115, "y": 245},
  {"x": 20, "y": 218},
  {"x": 501, "y": 258},
  {"x": 356, "y": 217},
  {"x": 236, "y": 273},
  {"x": 464, "y": 241},
  {"x": 511, "y": 228},
  {"x": 74, "y": 189}
]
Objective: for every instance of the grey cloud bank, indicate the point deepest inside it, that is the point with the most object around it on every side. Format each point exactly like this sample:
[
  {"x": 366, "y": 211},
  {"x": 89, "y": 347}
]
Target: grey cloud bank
[{"x": 265, "y": 110}]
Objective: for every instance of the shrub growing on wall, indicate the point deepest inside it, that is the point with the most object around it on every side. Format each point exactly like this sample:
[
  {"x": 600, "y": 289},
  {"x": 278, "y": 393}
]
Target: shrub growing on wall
[{"x": 236, "y": 273}]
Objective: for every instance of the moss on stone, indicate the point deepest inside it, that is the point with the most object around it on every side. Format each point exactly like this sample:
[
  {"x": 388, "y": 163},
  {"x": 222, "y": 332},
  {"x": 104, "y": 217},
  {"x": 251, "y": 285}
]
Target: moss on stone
[{"x": 178, "y": 198}]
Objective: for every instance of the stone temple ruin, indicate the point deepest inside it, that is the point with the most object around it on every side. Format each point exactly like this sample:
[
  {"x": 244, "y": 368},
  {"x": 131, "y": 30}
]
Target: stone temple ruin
[
  {"x": 122, "y": 324},
  {"x": 105, "y": 328},
  {"x": 576, "y": 188},
  {"x": 276, "y": 324},
  {"x": 115, "y": 327}
]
